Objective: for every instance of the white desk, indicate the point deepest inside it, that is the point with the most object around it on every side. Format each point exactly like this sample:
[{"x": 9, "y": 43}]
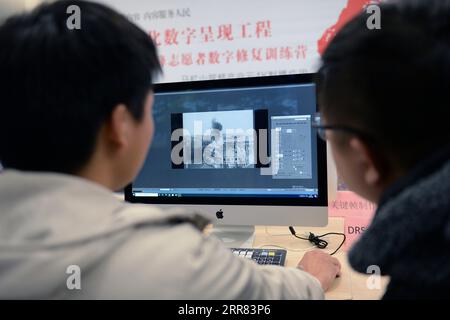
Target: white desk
[{"x": 350, "y": 285}]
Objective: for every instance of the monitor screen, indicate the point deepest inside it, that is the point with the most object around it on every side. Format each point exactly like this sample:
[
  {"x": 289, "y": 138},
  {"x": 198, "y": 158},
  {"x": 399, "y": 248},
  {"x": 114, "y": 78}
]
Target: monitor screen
[{"x": 236, "y": 141}]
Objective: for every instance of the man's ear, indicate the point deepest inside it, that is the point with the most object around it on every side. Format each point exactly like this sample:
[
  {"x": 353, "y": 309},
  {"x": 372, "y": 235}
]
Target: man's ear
[
  {"x": 118, "y": 126},
  {"x": 367, "y": 161}
]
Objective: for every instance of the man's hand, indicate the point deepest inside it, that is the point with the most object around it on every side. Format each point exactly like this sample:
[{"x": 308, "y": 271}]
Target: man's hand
[{"x": 322, "y": 266}]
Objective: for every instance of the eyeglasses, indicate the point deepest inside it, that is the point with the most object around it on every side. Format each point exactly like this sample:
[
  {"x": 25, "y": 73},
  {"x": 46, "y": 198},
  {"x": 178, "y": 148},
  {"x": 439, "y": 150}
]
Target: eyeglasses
[{"x": 321, "y": 129}]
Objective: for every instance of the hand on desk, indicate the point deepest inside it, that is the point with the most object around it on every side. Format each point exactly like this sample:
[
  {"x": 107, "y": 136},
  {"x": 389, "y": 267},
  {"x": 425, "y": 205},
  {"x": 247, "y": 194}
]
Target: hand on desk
[{"x": 322, "y": 266}]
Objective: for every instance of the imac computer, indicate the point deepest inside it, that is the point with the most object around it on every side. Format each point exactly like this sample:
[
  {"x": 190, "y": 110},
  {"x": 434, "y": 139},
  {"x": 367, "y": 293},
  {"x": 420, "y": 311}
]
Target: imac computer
[{"x": 242, "y": 152}]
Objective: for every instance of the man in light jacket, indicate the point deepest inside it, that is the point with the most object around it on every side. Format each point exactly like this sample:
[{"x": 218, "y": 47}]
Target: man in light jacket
[{"x": 75, "y": 125}]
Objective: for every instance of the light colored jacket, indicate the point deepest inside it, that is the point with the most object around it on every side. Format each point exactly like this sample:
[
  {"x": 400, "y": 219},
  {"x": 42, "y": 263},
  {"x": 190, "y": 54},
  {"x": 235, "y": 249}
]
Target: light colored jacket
[{"x": 49, "y": 222}]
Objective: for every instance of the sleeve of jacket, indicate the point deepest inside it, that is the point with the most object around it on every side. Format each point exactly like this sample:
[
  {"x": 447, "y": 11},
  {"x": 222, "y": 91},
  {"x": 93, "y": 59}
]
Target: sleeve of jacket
[{"x": 215, "y": 273}]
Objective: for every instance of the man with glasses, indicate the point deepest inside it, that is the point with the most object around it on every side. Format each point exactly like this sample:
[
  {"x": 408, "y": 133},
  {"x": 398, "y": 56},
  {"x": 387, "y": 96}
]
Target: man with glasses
[{"x": 385, "y": 110}]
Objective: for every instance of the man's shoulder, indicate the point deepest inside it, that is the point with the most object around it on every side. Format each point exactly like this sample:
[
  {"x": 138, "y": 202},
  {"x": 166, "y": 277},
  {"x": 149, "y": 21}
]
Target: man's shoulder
[{"x": 152, "y": 262}]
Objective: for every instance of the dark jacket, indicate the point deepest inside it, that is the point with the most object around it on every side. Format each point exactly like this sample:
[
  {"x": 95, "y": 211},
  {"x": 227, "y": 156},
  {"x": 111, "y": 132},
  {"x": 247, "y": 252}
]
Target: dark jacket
[{"x": 409, "y": 237}]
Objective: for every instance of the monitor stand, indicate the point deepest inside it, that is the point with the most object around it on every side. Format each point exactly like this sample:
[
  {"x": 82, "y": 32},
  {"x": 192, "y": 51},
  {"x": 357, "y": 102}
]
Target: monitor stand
[{"x": 235, "y": 236}]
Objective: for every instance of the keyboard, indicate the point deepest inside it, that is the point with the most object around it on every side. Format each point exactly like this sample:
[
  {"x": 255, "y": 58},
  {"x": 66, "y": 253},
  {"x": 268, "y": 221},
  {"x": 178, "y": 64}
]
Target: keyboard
[{"x": 275, "y": 257}]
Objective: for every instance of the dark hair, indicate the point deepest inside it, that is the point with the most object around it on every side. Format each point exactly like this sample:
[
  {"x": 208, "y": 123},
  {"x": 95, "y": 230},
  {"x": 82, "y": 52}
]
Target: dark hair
[
  {"x": 58, "y": 86},
  {"x": 392, "y": 83},
  {"x": 216, "y": 125}
]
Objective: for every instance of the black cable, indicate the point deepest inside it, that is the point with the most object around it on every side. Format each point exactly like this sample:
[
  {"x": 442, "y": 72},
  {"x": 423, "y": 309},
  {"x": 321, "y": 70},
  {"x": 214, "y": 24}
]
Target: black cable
[{"x": 317, "y": 241}]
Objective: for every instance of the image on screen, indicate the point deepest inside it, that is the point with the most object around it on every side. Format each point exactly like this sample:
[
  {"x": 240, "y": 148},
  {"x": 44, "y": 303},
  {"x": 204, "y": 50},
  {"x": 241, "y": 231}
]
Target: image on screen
[{"x": 219, "y": 139}]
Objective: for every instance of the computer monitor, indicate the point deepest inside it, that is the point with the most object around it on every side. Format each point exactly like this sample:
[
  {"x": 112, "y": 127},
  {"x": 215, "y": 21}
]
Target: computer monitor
[{"x": 242, "y": 152}]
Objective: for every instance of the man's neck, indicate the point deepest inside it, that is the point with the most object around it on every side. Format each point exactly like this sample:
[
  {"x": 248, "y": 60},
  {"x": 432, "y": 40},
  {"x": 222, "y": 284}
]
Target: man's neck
[{"x": 100, "y": 174}]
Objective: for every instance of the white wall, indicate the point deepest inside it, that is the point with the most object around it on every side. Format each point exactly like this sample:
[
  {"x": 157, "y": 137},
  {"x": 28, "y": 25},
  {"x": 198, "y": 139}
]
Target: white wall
[{"x": 10, "y": 7}]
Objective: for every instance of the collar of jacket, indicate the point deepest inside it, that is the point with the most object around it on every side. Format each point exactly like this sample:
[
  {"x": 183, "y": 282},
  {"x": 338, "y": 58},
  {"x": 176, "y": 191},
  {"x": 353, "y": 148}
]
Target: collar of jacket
[
  {"x": 425, "y": 168},
  {"x": 409, "y": 236}
]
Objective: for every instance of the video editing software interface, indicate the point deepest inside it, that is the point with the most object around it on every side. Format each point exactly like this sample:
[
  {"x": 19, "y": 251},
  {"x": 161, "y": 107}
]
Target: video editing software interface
[{"x": 235, "y": 142}]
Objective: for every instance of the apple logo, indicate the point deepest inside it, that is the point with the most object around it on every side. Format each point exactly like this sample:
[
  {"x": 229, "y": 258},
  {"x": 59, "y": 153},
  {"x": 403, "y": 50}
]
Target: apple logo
[{"x": 219, "y": 214}]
